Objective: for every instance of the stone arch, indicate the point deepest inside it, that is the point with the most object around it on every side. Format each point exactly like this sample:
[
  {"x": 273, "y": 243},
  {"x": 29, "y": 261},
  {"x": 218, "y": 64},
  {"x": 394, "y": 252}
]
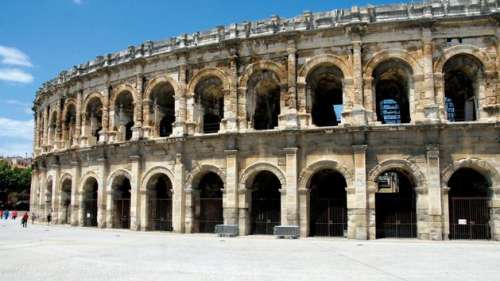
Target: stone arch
[
  {"x": 325, "y": 59},
  {"x": 309, "y": 171},
  {"x": 117, "y": 173},
  {"x": 205, "y": 73},
  {"x": 246, "y": 177},
  {"x": 481, "y": 56},
  {"x": 385, "y": 55},
  {"x": 481, "y": 166},
  {"x": 65, "y": 176},
  {"x": 88, "y": 175},
  {"x": 409, "y": 168},
  {"x": 278, "y": 69},
  {"x": 90, "y": 97},
  {"x": 67, "y": 104},
  {"x": 153, "y": 172},
  {"x": 198, "y": 172},
  {"x": 160, "y": 80},
  {"x": 123, "y": 88}
]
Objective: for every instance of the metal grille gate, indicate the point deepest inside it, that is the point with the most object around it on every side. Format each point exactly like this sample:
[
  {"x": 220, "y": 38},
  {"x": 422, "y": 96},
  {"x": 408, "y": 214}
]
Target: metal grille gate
[
  {"x": 210, "y": 214},
  {"x": 90, "y": 212},
  {"x": 469, "y": 218},
  {"x": 329, "y": 217},
  {"x": 265, "y": 215},
  {"x": 160, "y": 214},
  {"x": 395, "y": 217},
  {"x": 122, "y": 213}
]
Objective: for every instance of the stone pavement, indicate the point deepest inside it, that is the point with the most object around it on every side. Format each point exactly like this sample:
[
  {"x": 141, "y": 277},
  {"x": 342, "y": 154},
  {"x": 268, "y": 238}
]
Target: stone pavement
[{"x": 70, "y": 253}]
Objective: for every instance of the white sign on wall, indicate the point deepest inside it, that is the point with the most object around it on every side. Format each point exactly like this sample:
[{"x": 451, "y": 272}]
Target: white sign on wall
[{"x": 462, "y": 221}]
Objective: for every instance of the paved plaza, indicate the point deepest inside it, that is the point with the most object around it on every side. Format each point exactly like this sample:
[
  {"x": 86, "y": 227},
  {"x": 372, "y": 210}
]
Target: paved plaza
[{"x": 69, "y": 253}]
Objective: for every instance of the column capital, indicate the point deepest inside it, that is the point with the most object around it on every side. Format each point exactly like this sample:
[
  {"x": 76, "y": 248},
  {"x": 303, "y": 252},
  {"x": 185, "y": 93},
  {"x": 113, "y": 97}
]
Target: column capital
[
  {"x": 359, "y": 147},
  {"x": 291, "y": 150}
]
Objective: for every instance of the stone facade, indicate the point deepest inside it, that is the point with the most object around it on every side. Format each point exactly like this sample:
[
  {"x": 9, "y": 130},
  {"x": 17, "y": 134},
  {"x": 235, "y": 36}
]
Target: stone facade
[{"x": 100, "y": 121}]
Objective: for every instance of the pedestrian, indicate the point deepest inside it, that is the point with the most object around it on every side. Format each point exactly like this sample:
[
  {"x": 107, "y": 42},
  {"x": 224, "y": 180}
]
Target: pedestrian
[
  {"x": 33, "y": 217},
  {"x": 1, "y": 214},
  {"x": 49, "y": 217},
  {"x": 14, "y": 214},
  {"x": 6, "y": 214},
  {"x": 24, "y": 220}
]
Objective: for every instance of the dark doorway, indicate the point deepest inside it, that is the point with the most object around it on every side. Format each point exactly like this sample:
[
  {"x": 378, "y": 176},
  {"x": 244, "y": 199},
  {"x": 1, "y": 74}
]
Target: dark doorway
[
  {"x": 469, "y": 198},
  {"x": 462, "y": 74},
  {"x": 395, "y": 206},
  {"x": 328, "y": 204},
  {"x": 393, "y": 80},
  {"x": 160, "y": 203},
  {"x": 325, "y": 86},
  {"x": 266, "y": 203},
  {"x": 124, "y": 115},
  {"x": 162, "y": 111},
  {"x": 209, "y": 96},
  {"x": 121, "y": 200},
  {"x": 263, "y": 100},
  {"x": 66, "y": 201},
  {"x": 210, "y": 212},
  {"x": 90, "y": 203}
]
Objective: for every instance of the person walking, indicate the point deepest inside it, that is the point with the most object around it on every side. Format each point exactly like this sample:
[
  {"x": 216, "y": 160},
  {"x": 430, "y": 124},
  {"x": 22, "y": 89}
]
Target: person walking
[
  {"x": 24, "y": 219},
  {"x": 14, "y": 214},
  {"x": 49, "y": 217},
  {"x": 1, "y": 214},
  {"x": 6, "y": 214},
  {"x": 33, "y": 217}
]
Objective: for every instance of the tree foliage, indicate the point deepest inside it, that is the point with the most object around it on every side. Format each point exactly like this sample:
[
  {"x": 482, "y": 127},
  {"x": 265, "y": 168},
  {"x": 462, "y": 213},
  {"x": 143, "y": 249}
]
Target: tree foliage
[{"x": 14, "y": 185}]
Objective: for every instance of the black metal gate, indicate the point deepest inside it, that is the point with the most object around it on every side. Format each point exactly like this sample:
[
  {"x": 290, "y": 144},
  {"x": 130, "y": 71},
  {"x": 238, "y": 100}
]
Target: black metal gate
[
  {"x": 395, "y": 217},
  {"x": 328, "y": 217},
  {"x": 469, "y": 218},
  {"x": 210, "y": 214},
  {"x": 265, "y": 215},
  {"x": 122, "y": 213},
  {"x": 160, "y": 214},
  {"x": 67, "y": 213},
  {"x": 90, "y": 212}
]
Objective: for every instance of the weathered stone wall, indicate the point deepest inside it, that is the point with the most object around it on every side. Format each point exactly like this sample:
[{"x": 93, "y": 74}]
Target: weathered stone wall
[{"x": 429, "y": 148}]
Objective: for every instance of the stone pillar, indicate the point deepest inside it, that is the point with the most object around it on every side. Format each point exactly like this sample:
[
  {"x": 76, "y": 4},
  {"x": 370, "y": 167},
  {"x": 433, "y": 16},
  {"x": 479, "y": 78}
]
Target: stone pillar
[
  {"x": 357, "y": 108},
  {"x": 304, "y": 210},
  {"x": 358, "y": 206},
  {"x": 446, "y": 211},
  {"x": 137, "y": 129},
  {"x": 56, "y": 194},
  {"x": 495, "y": 213},
  {"x": 292, "y": 217},
  {"x": 103, "y": 134},
  {"x": 148, "y": 131},
  {"x": 75, "y": 190},
  {"x": 188, "y": 210},
  {"x": 244, "y": 197},
  {"x": 430, "y": 106},
  {"x": 369, "y": 100},
  {"x": 231, "y": 98},
  {"x": 135, "y": 182},
  {"x": 230, "y": 200},
  {"x": 180, "y": 101},
  {"x": 103, "y": 205},
  {"x": 144, "y": 194},
  {"x": 179, "y": 197},
  {"x": 78, "y": 122},
  {"x": 46, "y": 126},
  {"x": 289, "y": 115},
  {"x": 435, "y": 212}
]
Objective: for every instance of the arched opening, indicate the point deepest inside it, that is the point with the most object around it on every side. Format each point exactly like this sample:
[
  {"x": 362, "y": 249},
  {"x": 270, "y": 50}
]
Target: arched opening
[
  {"x": 66, "y": 201},
  {"x": 395, "y": 206},
  {"x": 48, "y": 196},
  {"x": 53, "y": 128},
  {"x": 462, "y": 76},
  {"x": 266, "y": 203},
  {"x": 93, "y": 120},
  {"x": 263, "y": 100},
  {"x": 324, "y": 86},
  {"x": 328, "y": 204},
  {"x": 90, "y": 202},
  {"x": 121, "y": 202},
  {"x": 162, "y": 110},
  {"x": 124, "y": 115},
  {"x": 159, "y": 190},
  {"x": 69, "y": 134},
  {"x": 209, "y": 98},
  {"x": 209, "y": 212},
  {"x": 469, "y": 198},
  {"x": 393, "y": 84}
]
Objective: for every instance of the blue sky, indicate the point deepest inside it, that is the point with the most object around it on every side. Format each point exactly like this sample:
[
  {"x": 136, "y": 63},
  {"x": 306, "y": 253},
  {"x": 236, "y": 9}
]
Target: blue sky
[{"x": 39, "y": 38}]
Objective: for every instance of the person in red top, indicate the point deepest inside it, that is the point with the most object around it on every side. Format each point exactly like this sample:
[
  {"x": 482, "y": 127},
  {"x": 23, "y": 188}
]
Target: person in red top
[
  {"x": 14, "y": 214},
  {"x": 24, "y": 220}
]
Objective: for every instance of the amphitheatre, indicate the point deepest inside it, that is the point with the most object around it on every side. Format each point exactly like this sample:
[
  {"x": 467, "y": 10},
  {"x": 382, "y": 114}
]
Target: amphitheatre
[{"x": 365, "y": 123}]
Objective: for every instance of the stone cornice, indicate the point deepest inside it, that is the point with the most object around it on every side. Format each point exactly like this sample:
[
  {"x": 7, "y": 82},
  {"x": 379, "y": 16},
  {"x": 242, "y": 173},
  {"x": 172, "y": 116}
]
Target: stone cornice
[{"x": 222, "y": 35}]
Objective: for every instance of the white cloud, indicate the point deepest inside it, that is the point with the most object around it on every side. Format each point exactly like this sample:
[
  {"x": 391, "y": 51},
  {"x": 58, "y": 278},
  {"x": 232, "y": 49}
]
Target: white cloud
[
  {"x": 13, "y": 56},
  {"x": 25, "y": 106},
  {"x": 15, "y": 75},
  {"x": 18, "y": 129},
  {"x": 17, "y": 149},
  {"x": 78, "y": 2}
]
